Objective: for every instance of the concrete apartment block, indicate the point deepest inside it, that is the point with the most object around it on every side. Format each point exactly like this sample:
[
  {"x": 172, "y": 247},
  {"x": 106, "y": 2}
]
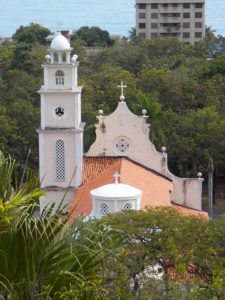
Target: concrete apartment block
[{"x": 183, "y": 19}]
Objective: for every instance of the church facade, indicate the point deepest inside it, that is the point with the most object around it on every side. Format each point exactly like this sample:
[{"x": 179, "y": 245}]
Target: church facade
[{"x": 122, "y": 147}]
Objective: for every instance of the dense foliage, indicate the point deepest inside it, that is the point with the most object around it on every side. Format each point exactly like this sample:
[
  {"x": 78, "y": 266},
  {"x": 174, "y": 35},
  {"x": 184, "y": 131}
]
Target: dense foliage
[
  {"x": 92, "y": 36},
  {"x": 45, "y": 257},
  {"x": 155, "y": 254},
  {"x": 182, "y": 87},
  {"x": 33, "y": 33},
  {"x": 166, "y": 256}
]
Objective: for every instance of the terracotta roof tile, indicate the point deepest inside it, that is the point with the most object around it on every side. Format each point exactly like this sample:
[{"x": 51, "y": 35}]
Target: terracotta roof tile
[
  {"x": 98, "y": 171},
  {"x": 191, "y": 212},
  {"x": 94, "y": 166}
]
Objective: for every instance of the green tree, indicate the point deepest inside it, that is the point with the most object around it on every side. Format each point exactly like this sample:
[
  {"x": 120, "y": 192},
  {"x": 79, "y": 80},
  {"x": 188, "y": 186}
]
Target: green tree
[
  {"x": 20, "y": 115},
  {"x": 163, "y": 240},
  {"x": 192, "y": 137},
  {"x": 124, "y": 54},
  {"x": 93, "y": 36},
  {"x": 28, "y": 57},
  {"x": 101, "y": 92},
  {"x": 132, "y": 34},
  {"x": 33, "y": 33},
  {"x": 18, "y": 188},
  {"x": 45, "y": 257}
]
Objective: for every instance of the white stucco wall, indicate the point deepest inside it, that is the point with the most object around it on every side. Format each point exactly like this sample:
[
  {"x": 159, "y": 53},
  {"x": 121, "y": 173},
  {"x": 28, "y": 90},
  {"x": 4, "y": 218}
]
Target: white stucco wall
[
  {"x": 73, "y": 159},
  {"x": 55, "y": 197},
  {"x": 123, "y": 124},
  {"x": 114, "y": 205},
  {"x": 70, "y": 76},
  {"x": 71, "y": 103}
]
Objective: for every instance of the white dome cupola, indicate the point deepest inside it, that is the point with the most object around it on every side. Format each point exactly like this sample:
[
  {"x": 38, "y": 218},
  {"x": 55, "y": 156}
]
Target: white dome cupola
[
  {"x": 60, "y": 43},
  {"x": 115, "y": 197},
  {"x": 60, "y": 50}
]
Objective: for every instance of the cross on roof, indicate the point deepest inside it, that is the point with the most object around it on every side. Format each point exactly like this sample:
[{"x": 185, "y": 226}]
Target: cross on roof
[
  {"x": 116, "y": 176},
  {"x": 122, "y": 86}
]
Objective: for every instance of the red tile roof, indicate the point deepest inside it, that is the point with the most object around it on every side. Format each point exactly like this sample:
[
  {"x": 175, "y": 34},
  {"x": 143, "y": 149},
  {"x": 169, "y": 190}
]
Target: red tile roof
[
  {"x": 98, "y": 171},
  {"x": 94, "y": 166}
]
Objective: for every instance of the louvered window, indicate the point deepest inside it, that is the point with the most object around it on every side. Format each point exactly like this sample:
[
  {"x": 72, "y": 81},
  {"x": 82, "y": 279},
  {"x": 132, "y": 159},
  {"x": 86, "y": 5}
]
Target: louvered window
[{"x": 60, "y": 160}]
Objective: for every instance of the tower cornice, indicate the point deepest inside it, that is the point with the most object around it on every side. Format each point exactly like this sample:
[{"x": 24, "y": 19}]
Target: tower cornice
[
  {"x": 67, "y": 130},
  {"x": 76, "y": 90},
  {"x": 64, "y": 64}
]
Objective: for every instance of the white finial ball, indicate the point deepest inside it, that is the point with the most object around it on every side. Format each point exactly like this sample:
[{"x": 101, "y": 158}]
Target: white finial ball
[
  {"x": 144, "y": 112},
  {"x": 47, "y": 58},
  {"x": 74, "y": 58},
  {"x": 100, "y": 112},
  {"x": 122, "y": 98},
  {"x": 199, "y": 174},
  {"x": 163, "y": 149}
]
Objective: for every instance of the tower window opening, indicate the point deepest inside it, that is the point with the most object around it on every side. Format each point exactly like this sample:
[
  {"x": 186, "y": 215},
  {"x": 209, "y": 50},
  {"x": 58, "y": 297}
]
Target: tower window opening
[
  {"x": 59, "y": 77},
  {"x": 60, "y": 160},
  {"x": 64, "y": 57}
]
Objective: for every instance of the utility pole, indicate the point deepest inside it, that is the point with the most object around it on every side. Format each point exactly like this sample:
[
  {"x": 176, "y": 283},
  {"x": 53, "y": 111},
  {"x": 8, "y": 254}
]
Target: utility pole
[{"x": 210, "y": 186}]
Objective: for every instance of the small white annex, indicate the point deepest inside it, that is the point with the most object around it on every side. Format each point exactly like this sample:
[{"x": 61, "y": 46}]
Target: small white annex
[{"x": 115, "y": 197}]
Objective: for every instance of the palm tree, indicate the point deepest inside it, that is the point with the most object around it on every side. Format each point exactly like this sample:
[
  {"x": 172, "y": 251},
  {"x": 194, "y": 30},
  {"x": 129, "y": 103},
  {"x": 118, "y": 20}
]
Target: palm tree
[{"x": 44, "y": 257}]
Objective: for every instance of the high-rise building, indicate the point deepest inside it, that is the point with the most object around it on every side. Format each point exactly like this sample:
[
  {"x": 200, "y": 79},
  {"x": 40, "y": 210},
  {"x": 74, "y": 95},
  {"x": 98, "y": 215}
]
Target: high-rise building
[{"x": 183, "y": 19}]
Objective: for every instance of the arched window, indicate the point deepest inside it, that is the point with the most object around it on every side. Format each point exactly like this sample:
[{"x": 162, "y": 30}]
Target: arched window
[
  {"x": 60, "y": 160},
  {"x": 104, "y": 209},
  {"x": 59, "y": 77}
]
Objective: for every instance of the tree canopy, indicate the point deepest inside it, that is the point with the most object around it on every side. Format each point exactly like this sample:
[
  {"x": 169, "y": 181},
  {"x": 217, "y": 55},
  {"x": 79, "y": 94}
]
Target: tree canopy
[
  {"x": 93, "y": 36},
  {"x": 152, "y": 254},
  {"x": 33, "y": 33},
  {"x": 167, "y": 256},
  {"x": 182, "y": 87}
]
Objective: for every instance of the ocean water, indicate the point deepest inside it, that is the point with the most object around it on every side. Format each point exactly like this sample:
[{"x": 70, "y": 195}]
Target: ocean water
[{"x": 116, "y": 16}]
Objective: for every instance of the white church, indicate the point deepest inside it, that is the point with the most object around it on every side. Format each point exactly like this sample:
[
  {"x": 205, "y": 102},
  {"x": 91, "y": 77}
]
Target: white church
[{"x": 122, "y": 169}]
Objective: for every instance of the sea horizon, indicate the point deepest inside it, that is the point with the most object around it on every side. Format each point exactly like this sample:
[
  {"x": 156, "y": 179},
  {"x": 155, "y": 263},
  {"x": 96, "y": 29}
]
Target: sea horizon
[{"x": 117, "y": 17}]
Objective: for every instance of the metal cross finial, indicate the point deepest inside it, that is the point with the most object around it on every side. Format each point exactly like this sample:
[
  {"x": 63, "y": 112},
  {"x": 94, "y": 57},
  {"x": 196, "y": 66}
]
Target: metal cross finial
[
  {"x": 116, "y": 176},
  {"x": 122, "y": 86},
  {"x": 59, "y": 25}
]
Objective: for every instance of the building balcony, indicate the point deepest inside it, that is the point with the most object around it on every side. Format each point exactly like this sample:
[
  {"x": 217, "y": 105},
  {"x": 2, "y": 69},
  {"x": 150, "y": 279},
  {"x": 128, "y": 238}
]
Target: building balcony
[
  {"x": 170, "y": 29},
  {"x": 170, "y": 9},
  {"x": 170, "y": 34},
  {"x": 170, "y": 19}
]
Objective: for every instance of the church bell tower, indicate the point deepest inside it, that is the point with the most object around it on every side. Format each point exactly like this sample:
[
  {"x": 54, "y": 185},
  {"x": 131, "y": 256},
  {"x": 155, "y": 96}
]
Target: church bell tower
[{"x": 61, "y": 129}]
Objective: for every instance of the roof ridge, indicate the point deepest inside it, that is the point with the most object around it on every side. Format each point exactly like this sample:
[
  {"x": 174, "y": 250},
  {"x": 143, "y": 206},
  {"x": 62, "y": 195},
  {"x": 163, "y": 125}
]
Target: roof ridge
[{"x": 148, "y": 169}]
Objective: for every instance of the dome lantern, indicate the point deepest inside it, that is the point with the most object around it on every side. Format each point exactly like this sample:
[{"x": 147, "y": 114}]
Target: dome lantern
[{"x": 60, "y": 46}]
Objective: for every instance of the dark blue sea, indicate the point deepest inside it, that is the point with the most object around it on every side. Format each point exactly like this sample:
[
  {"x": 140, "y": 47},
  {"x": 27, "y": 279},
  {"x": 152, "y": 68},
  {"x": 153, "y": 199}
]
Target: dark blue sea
[{"x": 116, "y": 16}]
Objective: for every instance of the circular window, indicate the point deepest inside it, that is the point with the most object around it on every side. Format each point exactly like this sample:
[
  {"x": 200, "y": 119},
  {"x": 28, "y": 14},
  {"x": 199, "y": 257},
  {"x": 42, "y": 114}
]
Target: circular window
[
  {"x": 104, "y": 209},
  {"x": 122, "y": 145},
  {"x": 59, "y": 111},
  {"x": 128, "y": 206}
]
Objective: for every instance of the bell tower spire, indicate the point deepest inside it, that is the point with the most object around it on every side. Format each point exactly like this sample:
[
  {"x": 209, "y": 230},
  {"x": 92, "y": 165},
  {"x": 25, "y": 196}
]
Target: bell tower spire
[{"x": 61, "y": 129}]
